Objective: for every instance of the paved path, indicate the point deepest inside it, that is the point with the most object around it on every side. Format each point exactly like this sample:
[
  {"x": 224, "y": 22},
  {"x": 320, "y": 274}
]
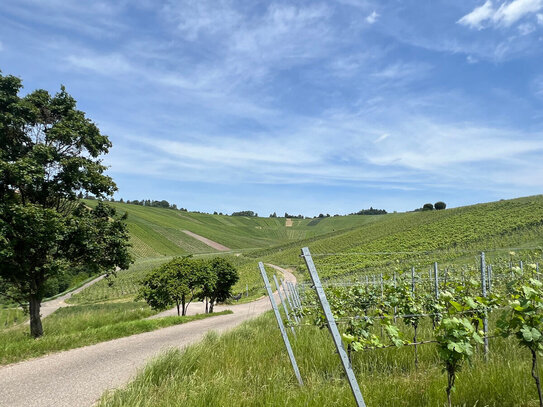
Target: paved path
[
  {"x": 79, "y": 377},
  {"x": 209, "y": 242},
  {"x": 48, "y": 307}
]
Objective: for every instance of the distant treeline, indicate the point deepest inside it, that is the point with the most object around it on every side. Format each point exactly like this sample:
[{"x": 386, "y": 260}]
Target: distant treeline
[
  {"x": 245, "y": 213},
  {"x": 166, "y": 205},
  {"x": 370, "y": 211}
]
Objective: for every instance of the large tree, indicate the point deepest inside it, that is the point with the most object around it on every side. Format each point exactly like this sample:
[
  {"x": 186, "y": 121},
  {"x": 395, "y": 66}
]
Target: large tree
[{"x": 50, "y": 152}]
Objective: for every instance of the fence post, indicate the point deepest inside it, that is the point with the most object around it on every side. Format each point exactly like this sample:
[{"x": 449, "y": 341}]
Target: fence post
[
  {"x": 284, "y": 304},
  {"x": 413, "y": 280},
  {"x": 289, "y": 302},
  {"x": 394, "y": 278},
  {"x": 436, "y": 280},
  {"x": 333, "y": 328},
  {"x": 489, "y": 277},
  {"x": 280, "y": 323},
  {"x": 483, "y": 292}
]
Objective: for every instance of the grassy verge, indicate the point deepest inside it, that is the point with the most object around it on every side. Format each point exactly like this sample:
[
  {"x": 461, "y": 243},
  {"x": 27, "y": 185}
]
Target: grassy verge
[
  {"x": 249, "y": 367},
  {"x": 10, "y": 317},
  {"x": 77, "y": 326}
]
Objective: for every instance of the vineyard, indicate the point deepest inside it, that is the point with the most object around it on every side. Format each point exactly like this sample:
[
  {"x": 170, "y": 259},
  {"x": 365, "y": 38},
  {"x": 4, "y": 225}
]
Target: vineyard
[
  {"x": 159, "y": 232},
  {"x": 421, "y": 237},
  {"x": 458, "y": 311}
]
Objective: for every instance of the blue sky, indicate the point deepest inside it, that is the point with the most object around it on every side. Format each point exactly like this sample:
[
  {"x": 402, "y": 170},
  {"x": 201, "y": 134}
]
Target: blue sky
[{"x": 304, "y": 107}]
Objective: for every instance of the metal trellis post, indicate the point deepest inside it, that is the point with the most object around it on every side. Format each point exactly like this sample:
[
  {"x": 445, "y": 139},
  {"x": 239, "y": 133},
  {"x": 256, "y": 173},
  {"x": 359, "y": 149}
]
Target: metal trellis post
[
  {"x": 333, "y": 328},
  {"x": 436, "y": 279},
  {"x": 483, "y": 292},
  {"x": 280, "y": 323},
  {"x": 289, "y": 301},
  {"x": 413, "y": 280},
  {"x": 284, "y": 304}
]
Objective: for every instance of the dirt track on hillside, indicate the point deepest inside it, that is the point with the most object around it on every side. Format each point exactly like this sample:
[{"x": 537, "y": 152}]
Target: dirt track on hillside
[
  {"x": 210, "y": 243},
  {"x": 79, "y": 377}
]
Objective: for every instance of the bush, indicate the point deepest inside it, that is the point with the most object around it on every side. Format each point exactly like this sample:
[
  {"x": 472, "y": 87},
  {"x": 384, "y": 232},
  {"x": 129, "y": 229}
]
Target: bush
[
  {"x": 440, "y": 205},
  {"x": 428, "y": 207}
]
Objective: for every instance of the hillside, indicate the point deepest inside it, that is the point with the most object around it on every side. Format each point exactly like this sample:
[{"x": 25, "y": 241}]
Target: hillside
[
  {"x": 417, "y": 238},
  {"x": 159, "y": 232},
  {"x": 341, "y": 245}
]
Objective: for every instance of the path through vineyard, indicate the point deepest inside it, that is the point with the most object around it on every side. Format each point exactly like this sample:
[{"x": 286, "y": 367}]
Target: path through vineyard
[{"x": 79, "y": 377}]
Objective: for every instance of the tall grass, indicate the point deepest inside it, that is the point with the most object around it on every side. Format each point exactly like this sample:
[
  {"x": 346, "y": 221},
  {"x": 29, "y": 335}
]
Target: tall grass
[
  {"x": 10, "y": 317},
  {"x": 249, "y": 367},
  {"x": 73, "y": 327}
]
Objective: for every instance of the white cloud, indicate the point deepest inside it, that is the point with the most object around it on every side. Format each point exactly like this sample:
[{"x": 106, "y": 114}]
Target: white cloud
[
  {"x": 540, "y": 18},
  {"x": 480, "y": 14},
  {"x": 526, "y": 28},
  {"x": 111, "y": 64},
  {"x": 381, "y": 137},
  {"x": 471, "y": 59},
  {"x": 372, "y": 18},
  {"x": 505, "y": 15},
  {"x": 402, "y": 70},
  {"x": 510, "y": 13}
]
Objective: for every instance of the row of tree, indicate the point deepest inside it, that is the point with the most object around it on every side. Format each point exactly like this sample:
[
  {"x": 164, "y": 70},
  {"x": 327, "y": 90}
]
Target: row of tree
[
  {"x": 184, "y": 279},
  {"x": 438, "y": 206},
  {"x": 371, "y": 211}
]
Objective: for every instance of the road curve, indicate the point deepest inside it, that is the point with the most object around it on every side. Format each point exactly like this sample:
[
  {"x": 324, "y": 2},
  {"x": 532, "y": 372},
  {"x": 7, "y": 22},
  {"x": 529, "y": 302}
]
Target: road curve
[
  {"x": 79, "y": 377},
  {"x": 48, "y": 307}
]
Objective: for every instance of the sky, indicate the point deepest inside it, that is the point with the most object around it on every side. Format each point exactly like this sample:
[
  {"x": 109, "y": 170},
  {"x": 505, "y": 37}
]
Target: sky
[{"x": 297, "y": 106}]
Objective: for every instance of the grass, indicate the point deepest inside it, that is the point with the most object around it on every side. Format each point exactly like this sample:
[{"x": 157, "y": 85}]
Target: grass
[
  {"x": 10, "y": 317},
  {"x": 73, "y": 327},
  {"x": 250, "y": 367}
]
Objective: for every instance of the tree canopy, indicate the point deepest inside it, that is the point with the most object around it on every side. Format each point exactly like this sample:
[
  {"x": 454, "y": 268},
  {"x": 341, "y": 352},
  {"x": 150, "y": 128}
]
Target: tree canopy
[{"x": 50, "y": 152}]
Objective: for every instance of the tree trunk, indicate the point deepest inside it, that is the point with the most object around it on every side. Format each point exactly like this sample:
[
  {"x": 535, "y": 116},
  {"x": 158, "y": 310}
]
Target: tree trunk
[
  {"x": 207, "y": 305},
  {"x": 535, "y": 375},
  {"x": 184, "y": 310},
  {"x": 178, "y": 310},
  {"x": 211, "y": 305},
  {"x": 36, "y": 328}
]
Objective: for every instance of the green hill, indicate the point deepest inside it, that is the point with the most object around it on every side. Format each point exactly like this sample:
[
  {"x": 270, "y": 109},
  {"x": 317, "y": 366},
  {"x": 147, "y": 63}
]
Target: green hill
[
  {"x": 417, "y": 238},
  {"x": 159, "y": 232},
  {"x": 341, "y": 245}
]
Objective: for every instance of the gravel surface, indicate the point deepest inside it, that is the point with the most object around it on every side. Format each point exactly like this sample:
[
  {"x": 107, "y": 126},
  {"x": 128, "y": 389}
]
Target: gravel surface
[
  {"x": 209, "y": 242},
  {"x": 48, "y": 307},
  {"x": 79, "y": 377}
]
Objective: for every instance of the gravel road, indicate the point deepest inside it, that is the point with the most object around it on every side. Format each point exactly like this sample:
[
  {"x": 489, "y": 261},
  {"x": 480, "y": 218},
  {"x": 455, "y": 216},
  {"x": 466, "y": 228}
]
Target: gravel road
[
  {"x": 48, "y": 307},
  {"x": 79, "y": 377}
]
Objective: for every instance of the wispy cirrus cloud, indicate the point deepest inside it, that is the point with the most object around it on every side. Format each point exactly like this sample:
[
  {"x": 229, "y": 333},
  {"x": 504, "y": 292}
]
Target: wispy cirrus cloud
[{"x": 505, "y": 15}]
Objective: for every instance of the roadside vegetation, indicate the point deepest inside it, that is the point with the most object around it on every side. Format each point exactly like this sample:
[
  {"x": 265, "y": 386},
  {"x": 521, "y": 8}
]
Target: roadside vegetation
[
  {"x": 81, "y": 325},
  {"x": 250, "y": 365}
]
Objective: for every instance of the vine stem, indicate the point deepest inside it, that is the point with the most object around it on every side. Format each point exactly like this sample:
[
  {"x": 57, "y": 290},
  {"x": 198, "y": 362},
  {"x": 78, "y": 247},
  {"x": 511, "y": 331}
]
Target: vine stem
[{"x": 535, "y": 375}]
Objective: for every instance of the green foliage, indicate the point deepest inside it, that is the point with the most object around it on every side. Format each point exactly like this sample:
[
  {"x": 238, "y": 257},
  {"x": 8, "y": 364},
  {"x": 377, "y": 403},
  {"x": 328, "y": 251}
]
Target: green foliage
[
  {"x": 440, "y": 205},
  {"x": 427, "y": 207},
  {"x": 49, "y": 151},
  {"x": 219, "y": 282},
  {"x": 176, "y": 282},
  {"x": 524, "y": 320}
]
